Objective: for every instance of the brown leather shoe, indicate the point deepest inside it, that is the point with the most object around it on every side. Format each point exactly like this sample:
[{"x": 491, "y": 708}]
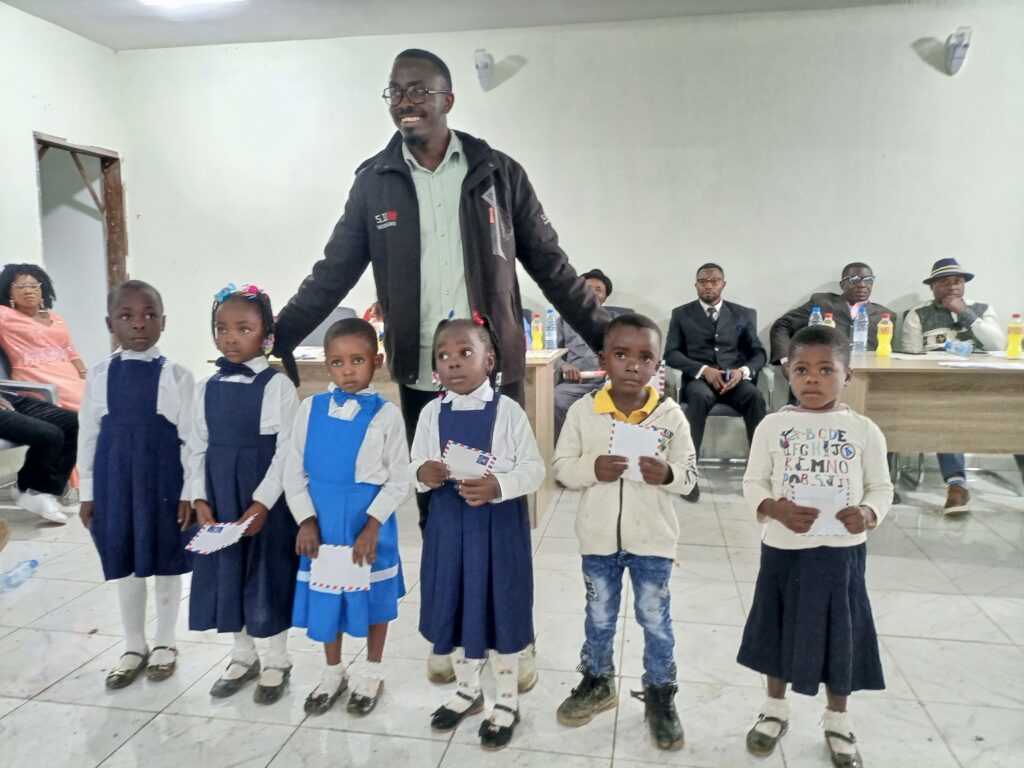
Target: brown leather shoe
[{"x": 958, "y": 500}]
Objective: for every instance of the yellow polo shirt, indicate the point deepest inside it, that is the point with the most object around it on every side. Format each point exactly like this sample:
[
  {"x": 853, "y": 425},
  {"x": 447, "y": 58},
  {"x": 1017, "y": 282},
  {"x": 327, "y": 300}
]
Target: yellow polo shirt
[{"x": 603, "y": 403}]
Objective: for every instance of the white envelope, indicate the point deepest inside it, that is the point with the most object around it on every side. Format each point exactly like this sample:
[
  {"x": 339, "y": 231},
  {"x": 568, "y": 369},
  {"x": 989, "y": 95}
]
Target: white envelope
[
  {"x": 828, "y": 501},
  {"x": 467, "y": 463},
  {"x": 633, "y": 441},
  {"x": 332, "y": 570},
  {"x": 212, "y": 538}
]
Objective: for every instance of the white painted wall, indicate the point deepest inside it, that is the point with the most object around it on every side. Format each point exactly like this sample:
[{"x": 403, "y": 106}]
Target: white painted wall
[
  {"x": 74, "y": 249},
  {"x": 781, "y": 145}
]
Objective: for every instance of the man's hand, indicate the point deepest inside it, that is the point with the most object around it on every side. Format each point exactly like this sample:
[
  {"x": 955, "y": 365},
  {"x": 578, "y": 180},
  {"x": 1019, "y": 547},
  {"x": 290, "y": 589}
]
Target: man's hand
[
  {"x": 85, "y": 513},
  {"x": 655, "y": 471},
  {"x": 432, "y": 474},
  {"x": 307, "y": 543},
  {"x": 184, "y": 514},
  {"x": 715, "y": 377},
  {"x": 856, "y": 519},
  {"x": 609, "y": 468},
  {"x": 258, "y": 513},
  {"x": 364, "y": 550},
  {"x": 797, "y": 519},
  {"x": 479, "y": 491},
  {"x": 571, "y": 373},
  {"x": 954, "y": 304},
  {"x": 204, "y": 512},
  {"x": 5, "y": 404},
  {"x": 734, "y": 378}
]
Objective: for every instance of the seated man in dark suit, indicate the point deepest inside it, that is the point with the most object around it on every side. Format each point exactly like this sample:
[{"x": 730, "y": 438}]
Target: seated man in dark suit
[{"x": 714, "y": 343}]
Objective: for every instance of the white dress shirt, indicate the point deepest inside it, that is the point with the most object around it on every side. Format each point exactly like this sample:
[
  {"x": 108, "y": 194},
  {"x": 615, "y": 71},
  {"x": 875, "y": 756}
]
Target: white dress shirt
[
  {"x": 173, "y": 401},
  {"x": 383, "y": 458},
  {"x": 718, "y": 316},
  {"x": 519, "y": 468},
  {"x": 277, "y": 415}
]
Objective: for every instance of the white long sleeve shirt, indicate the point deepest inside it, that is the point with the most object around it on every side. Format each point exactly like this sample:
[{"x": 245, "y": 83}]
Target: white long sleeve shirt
[
  {"x": 839, "y": 448},
  {"x": 986, "y": 329},
  {"x": 277, "y": 416},
  {"x": 383, "y": 459},
  {"x": 174, "y": 401},
  {"x": 519, "y": 468}
]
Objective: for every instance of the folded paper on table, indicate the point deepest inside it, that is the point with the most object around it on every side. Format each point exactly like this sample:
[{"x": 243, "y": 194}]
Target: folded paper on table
[
  {"x": 467, "y": 463},
  {"x": 333, "y": 570},
  {"x": 212, "y": 538},
  {"x": 633, "y": 441},
  {"x": 828, "y": 501}
]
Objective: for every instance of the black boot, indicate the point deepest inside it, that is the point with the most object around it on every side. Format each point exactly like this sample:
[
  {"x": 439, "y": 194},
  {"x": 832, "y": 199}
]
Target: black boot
[{"x": 660, "y": 714}]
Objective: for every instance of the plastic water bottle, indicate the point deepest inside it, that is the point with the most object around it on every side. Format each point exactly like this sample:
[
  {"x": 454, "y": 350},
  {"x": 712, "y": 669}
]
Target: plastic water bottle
[
  {"x": 19, "y": 574},
  {"x": 859, "y": 345},
  {"x": 815, "y": 318},
  {"x": 1014, "y": 336},
  {"x": 829, "y": 320},
  {"x": 884, "y": 336},
  {"x": 536, "y": 333},
  {"x": 550, "y": 331},
  {"x": 961, "y": 348}
]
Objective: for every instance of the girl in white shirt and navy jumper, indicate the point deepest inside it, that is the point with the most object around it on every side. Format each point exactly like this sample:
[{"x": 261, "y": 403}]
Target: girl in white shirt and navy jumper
[
  {"x": 243, "y": 417},
  {"x": 476, "y": 576},
  {"x": 347, "y": 470},
  {"x": 132, "y": 458},
  {"x": 810, "y": 621}
]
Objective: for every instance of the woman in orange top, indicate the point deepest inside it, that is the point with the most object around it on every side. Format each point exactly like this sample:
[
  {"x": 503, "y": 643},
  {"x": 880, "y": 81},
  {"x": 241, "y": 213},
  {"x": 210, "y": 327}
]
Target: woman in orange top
[{"x": 35, "y": 338}]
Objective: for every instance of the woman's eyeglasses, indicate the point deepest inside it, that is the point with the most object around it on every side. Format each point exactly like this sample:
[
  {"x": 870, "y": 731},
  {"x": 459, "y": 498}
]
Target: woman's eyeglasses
[{"x": 27, "y": 286}]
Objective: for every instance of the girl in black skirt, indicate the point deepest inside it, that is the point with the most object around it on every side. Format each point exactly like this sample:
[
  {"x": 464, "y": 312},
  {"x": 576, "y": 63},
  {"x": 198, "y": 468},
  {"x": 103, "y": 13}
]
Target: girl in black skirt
[{"x": 818, "y": 478}]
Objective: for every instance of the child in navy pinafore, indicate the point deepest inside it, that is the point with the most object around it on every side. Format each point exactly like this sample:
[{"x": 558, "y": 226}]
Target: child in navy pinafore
[
  {"x": 136, "y": 412},
  {"x": 347, "y": 471},
  {"x": 476, "y": 574},
  {"x": 244, "y": 414}
]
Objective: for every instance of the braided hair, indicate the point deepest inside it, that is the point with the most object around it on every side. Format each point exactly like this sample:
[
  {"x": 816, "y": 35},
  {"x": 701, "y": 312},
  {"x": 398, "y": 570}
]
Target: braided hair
[
  {"x": 253, "y": 295},
  {"x": 480, "y": 323},
  {"x": 10, "y": 274}
]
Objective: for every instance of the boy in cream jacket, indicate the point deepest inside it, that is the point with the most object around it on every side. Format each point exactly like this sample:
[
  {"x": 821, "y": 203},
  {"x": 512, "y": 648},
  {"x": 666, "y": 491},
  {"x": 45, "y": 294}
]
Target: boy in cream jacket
[{"x": 627, "y": 524}]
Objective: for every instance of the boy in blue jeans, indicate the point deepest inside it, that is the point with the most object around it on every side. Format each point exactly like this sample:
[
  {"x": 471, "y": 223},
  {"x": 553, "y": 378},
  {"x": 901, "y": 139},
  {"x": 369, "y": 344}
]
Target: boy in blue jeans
[{"x": 625, "y": 524}]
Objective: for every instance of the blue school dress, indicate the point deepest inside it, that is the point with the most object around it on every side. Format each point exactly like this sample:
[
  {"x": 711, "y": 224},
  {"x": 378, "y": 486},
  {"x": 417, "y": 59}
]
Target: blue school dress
[
  {"x": 138, "y": 478},
  {"x": 250, "y": 584},
  {"x": 332, "y": 446},
  {"x": 476, "y": 577}
]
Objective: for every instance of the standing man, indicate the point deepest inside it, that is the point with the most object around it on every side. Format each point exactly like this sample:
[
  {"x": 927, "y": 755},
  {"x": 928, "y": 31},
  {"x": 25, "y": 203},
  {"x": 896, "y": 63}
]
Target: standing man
[
  {"x": 442, "y": 218},
  {"x": 714, "y": 343}
]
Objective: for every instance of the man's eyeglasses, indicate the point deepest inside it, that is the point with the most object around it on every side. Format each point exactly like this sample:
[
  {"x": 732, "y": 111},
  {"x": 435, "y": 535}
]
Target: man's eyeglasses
[
  {"x": 417, "y": 94},
  {"x": 857, "y": 279},
  {"x": 27, "y": 286},
  {"x": 709, "y": 281}
]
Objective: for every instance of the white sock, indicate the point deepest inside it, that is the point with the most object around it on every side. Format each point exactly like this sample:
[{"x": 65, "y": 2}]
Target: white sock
[
  {"x": 168, "y": 601},
  {"x": 276, "y": 660},
  {"x": 467, "y": 675},
  {"x": 242, "y": 656},
  {"x": 839, "y": 722},
  {"x": 368, "y": 677},
  {"x": 506, "y": 688},
  {"x": 772, "y": 708},
  {"x": 131, "y": 593},
  {"x": 331, "y": 679}
]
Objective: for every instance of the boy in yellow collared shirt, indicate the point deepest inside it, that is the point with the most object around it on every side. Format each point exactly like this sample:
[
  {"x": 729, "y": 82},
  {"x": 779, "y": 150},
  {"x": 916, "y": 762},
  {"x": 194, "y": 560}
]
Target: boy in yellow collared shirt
[{"x": 625, "y": 524}]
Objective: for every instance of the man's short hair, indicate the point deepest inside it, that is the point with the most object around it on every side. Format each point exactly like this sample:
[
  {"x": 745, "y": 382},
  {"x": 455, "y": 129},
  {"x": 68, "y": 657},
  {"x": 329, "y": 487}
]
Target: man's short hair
[
  {"x": 352, "y": 326},
  {"x": 631, "y": 320},
  {"x": 710, "y": 265},
  {"x": 855, "y": 265},
  {"x": 822, "y": 336},
  {"x": 440, "y": 66}
]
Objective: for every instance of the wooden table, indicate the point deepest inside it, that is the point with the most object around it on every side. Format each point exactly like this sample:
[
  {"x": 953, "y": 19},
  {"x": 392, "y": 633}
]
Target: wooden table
[
  {"x": 922, "y": 406},
  {"x": 539, "y": 389}
]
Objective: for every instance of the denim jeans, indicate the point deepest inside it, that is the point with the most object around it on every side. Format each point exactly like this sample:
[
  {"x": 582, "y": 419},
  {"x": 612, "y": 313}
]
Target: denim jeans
[
  {"x": 602, "y": 575},
  {"x": 951, "y": 464}
]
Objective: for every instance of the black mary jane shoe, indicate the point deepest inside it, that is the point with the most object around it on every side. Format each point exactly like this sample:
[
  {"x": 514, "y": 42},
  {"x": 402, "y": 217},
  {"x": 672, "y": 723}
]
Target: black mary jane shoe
[
  {"x": 120, "y": 677},
  {"x": 229, "y": 686},
  {"x": 158, "y": 672},
  {"x": 761, "y": 744},
  {"x": 318, "y": 703},
  {"x": 364, "y": 705},
  {"x": 494, "y": 737},
  {"x": 839, "y": 759},
  {"x": 268, "y": 694},
  {"x": 444, "y": 719}
]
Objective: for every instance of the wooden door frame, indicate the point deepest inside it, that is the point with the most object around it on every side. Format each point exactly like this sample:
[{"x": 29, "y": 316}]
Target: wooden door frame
[{"x": 115, "y": 230}]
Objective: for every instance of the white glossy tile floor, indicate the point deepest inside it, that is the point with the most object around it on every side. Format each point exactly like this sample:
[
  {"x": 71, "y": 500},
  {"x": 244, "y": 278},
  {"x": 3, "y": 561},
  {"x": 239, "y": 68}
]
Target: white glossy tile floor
[{"x": 948, "y": 597}]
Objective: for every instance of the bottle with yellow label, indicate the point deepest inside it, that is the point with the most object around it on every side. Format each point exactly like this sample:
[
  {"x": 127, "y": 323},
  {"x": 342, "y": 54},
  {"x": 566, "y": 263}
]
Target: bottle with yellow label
[
  {"x": 1014, "y": 334},
  {"x": 829, "y": 320},
  {"x": 884, "y": 336}
]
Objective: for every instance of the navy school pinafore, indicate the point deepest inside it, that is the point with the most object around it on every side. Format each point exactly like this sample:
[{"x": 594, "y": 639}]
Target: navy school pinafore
[
  {"x": 477, "y": 573},
  {"x": 137, "y": 478},
  {"x": 251, "y": 584}
]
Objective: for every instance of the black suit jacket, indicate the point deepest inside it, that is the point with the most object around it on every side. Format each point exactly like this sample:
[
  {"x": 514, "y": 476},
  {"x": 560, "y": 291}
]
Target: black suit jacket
[{"x": 694, "y": 341}]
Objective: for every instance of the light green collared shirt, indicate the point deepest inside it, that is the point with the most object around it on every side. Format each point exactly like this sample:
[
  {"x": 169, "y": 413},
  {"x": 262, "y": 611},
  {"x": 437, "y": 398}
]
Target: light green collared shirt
[{"x": 442, "y": 270}]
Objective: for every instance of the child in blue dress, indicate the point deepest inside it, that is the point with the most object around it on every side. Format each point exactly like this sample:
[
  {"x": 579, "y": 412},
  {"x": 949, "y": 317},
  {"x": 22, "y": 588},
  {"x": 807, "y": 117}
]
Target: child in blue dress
[
  {"x": 136, "y": 413},
  {"x": 243, "y": 417},
  {"x": 477, "y": 574},
  {"x": 347, "y": 470},
  {"x": 810, "y": 621}
]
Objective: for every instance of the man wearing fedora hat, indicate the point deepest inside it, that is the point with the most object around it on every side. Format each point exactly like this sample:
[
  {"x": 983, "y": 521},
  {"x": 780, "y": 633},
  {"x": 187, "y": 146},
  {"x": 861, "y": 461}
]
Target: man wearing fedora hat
[{"x": 950, "y": 317}]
